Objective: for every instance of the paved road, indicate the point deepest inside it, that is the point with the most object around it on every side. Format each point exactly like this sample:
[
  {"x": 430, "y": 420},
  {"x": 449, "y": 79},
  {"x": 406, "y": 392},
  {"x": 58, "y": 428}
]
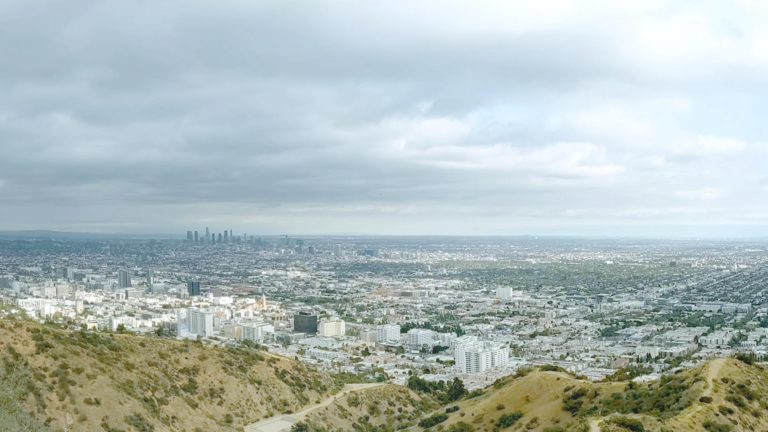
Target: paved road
[{"x": 283, "y": 423}]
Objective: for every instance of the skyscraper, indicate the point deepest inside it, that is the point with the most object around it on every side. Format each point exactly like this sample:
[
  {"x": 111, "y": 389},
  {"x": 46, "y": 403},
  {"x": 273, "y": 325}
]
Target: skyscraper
[
  {"x": 196, "y": 237},
  {"x": 207, "y": 235},
  {"x": 193, "y": 288},
  {"x": 123, "y": 279},
  {"x": 189, "y": 236}
]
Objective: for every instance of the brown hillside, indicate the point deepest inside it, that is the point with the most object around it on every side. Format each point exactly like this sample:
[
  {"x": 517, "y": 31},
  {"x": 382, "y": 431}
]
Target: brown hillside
[
  {"x": 720, "y": 396},
  {"x": 85, "y": 381}
]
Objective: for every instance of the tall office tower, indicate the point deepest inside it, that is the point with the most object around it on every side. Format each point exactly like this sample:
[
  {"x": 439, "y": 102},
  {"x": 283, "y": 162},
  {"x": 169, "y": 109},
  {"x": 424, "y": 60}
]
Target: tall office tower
[
  {"x": 193, "y": 288},
  {"x": 219, "y": 238},
  {"x": 197, "y": 238},
  {"x": 304, "y": 322},
  {"x": 207, "y": 235},
  {"x": 150, "y": 277},
  {"x": 189, "y": 236},
  {"x": 226, "y": 236},
  {"x": 123, "y": 279}
]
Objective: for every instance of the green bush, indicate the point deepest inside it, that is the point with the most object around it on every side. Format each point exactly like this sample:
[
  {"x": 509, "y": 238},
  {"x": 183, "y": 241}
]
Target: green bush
[
  {"x": 711, "y": 426},
  {"x": 433, "y": 420},
  {"x": 508, "y": 420},
  {"x": 629, "y": 424}
]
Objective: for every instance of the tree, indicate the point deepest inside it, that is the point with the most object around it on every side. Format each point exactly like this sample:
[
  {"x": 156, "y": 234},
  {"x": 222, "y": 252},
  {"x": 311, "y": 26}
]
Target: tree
[
  {"x": 121, "y": 328},
  {"x": 457, "y": 390}
]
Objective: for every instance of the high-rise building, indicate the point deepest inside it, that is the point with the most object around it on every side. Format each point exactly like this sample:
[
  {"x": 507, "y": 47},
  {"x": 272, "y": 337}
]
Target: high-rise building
[
  {"x": 388, "y": 333},
  {"x": 333, "y": 327},
  {"x": 474, "y": 356},
  {"x": 123, "y": 279},
  {"x": 197, "y": 239},
  {"x": 226, "y": 236},
  {"x": 189, "y": 236},
  {"x": 505, "y": 293},
  {"x": 207, "y": 235},
  {"x": 200, "y": 322},
  {"x": 193, "y": 288},
  {"x": 219, "y": 238},
  {"x": 304, "y": 322},
  {"x": 418, "y": 338}
]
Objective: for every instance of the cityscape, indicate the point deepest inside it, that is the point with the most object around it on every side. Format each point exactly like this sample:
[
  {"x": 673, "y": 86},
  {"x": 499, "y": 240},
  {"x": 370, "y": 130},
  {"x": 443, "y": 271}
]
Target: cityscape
[
  {"x": 383, "y": 216},
  {"x": 473, "y": 308}
]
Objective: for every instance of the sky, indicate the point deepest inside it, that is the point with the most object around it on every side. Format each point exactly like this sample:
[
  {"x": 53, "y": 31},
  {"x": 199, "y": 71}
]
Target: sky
[{"x": 385, "y": 117}]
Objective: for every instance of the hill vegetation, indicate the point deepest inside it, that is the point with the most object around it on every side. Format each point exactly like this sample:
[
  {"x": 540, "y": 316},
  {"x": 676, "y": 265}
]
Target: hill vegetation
[
  {"x": 720, "y": 396},
  {"x": 54, "y": 379},
  {"x": 58, "y": 379}
]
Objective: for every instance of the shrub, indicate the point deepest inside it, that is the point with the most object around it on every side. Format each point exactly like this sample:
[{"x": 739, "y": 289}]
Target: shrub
[
  {"x": 508, "y": 420},
  {"x": 629, "y": 424},
  {"x": 461, "y": 427},
  {"x": 433, "y": 420},
  {"x": 711, "y": 426}
]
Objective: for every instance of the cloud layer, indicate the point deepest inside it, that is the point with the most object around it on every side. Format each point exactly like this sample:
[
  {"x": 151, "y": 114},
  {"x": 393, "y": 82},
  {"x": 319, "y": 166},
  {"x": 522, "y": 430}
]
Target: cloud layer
[{"x": 426, "y": 117}]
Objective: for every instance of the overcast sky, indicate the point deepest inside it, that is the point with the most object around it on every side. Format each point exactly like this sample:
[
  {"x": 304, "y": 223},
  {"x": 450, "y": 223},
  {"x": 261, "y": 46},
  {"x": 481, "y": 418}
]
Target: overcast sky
[{"x": 385, "y": 117}]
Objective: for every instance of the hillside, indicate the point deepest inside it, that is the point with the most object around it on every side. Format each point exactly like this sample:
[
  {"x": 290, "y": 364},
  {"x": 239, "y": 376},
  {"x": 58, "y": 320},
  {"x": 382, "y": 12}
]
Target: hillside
[
  {"x": 85, "y": 381},
  {"x": 722, "y": 395},
  {"x": 384, "y": 408},
  {"x": 53, "y": 379}
]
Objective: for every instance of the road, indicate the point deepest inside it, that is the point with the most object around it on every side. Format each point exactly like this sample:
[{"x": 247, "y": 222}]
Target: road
[{"x": 283, "y": 423}]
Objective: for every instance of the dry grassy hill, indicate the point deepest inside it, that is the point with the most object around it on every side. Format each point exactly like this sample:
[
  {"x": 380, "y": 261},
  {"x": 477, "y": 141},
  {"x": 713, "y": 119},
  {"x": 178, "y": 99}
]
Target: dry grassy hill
[
  {"x": 386, "y": 408},
  {"x": 720, "y": 396},
  {"x": 84, "y": 381},
  {"x": 55, "y": 379}
]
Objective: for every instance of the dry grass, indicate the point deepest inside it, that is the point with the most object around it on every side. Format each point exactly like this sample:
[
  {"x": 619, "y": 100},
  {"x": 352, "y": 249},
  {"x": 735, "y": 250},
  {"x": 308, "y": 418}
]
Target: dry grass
[{"x": 99, "y": 381}]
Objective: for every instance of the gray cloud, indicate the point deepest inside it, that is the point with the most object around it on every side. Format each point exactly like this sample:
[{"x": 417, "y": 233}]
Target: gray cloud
[{"x": 426, "y": 117}]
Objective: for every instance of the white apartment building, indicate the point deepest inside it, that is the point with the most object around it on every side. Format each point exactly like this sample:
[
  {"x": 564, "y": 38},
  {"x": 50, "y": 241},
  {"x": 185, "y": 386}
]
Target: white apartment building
[
  {"x": 200, "y": 323},
  {"x": 257, "y": 332},
  {"x": 474, "y": 356},
  {"x": 505, "y": 293},
  {"x": 417, "y": 338},
  {"x": 369, "y": 335},
  {"x": 720, "y": 338},
  {"x": 333, "y": 327},
  {"x": 388, "y": 333}
]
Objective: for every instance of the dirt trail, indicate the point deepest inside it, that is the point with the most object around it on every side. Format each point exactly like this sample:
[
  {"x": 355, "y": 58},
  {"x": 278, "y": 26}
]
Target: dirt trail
[
  {"x": 284, "y": 422},
  {"x": 713, "y": 374}
]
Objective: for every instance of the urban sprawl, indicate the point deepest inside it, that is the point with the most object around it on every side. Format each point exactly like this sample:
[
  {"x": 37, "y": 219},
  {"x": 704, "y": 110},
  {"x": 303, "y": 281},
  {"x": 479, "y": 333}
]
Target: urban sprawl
[{"x": 391, "y": 307}]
